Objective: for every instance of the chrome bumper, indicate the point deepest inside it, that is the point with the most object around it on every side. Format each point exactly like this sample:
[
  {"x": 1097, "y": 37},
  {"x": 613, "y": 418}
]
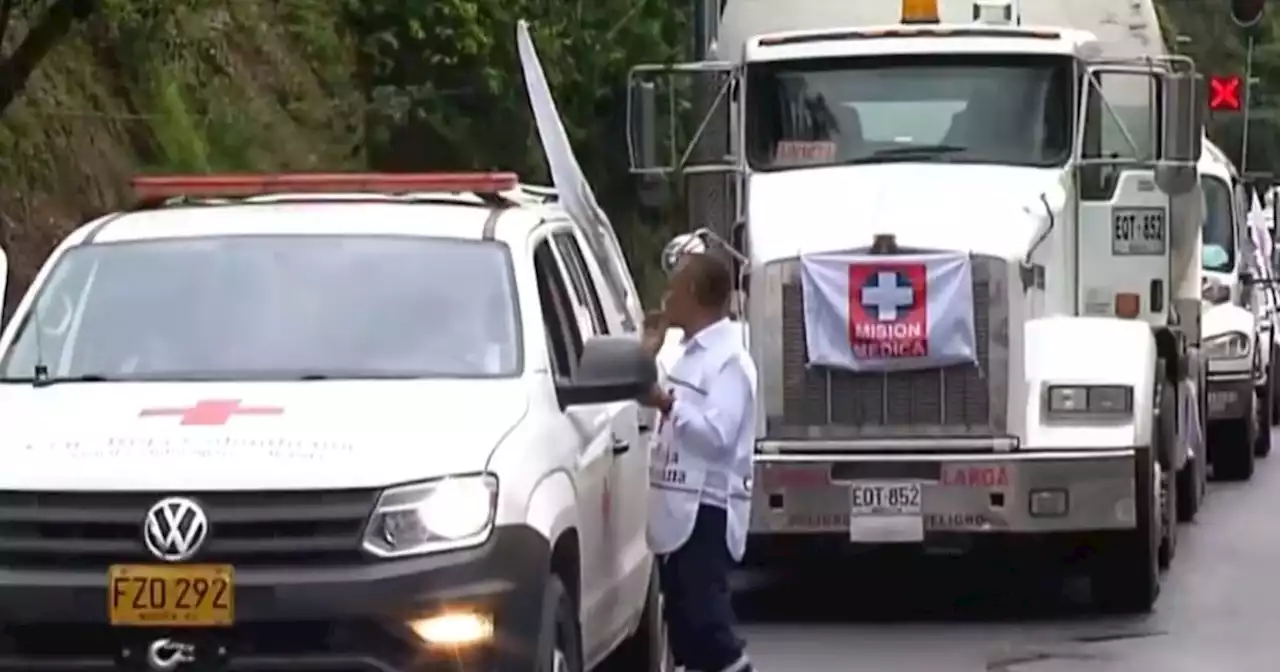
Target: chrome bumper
[{"x": 1031, "y": 492}]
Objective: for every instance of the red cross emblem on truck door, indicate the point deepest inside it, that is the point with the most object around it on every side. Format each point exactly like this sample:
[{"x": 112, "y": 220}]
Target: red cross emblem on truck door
[{"x": 210, "y": 412}]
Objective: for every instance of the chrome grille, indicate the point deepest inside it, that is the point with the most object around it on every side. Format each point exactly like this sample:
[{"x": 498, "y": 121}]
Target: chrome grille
[
  {"x": 91, "y": 530},
  {"x": 961, "y": 401}
]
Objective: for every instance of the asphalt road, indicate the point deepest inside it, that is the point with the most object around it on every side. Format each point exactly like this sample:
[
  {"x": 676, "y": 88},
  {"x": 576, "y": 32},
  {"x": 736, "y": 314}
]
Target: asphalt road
[{"x": 1219, "y": 609}]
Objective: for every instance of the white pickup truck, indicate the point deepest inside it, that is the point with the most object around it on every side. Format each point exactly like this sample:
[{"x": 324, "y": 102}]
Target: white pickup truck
[{"x": 323, "y": 422}]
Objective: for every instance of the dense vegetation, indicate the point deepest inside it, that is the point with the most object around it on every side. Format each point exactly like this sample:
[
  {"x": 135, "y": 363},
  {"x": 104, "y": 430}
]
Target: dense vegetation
[{"x": 93, "y": 91}]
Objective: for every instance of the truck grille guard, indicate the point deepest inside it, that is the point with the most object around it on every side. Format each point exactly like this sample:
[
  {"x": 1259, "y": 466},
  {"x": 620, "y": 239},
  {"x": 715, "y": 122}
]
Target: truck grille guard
[{"x": 827, "y": 408}]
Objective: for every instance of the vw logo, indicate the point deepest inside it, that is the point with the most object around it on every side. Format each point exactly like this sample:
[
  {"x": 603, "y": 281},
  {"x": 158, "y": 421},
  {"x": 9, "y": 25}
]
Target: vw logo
[{"x": 175, "y": 529}]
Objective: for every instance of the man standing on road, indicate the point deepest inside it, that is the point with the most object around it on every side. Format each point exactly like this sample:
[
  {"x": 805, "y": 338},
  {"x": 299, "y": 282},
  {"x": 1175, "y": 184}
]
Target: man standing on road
[{"x": 701, "y": 467}]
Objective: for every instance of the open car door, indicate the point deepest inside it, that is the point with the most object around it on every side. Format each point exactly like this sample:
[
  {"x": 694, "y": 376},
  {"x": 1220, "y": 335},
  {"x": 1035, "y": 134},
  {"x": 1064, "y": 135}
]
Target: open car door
[{"x": 571, "y": 185}]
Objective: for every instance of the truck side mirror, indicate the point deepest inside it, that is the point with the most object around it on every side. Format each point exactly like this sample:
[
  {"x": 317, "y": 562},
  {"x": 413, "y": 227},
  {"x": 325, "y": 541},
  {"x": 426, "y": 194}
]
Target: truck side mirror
[
  {"x": 1183, "y": 112},
  {"x": 644, "y": 126}
]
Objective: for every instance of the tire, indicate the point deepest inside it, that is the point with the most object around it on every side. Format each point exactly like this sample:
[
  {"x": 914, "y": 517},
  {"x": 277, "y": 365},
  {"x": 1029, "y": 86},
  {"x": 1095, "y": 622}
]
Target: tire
[
  {"x": 646, "y": 649},
  {"x": 1125, "y": 576},
  {"x": 561, "y": 636},
  {"x": 1167, "y": 454},
  {"x": 1168, "y": 485},
  {"x": 1232, "y": 453},
  {"x": 1188, "y": 489},
  {"x": 1266, "y": 418},
  {"x": 1275, "y": 388}
]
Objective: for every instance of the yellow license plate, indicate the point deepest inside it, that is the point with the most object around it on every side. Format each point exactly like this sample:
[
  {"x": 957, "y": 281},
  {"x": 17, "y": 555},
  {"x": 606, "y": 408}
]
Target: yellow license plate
[{"x": 197, "y": 596}]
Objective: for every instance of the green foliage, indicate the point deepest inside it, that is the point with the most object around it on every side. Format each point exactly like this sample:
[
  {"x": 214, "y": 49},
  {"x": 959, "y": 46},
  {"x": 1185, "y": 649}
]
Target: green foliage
[
  {"x": 446, "y": 73},
  {"x": 1220, "y": 47}
]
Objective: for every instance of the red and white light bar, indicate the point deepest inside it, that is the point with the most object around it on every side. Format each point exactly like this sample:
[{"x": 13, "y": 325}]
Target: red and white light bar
[{"x": 164, "y": 187}]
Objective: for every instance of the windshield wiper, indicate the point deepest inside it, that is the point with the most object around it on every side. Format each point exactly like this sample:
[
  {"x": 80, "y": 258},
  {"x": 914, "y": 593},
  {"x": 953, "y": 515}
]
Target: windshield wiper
[
  {"x": 46, "y": 381},
  {"x": 909, "y": 153}
]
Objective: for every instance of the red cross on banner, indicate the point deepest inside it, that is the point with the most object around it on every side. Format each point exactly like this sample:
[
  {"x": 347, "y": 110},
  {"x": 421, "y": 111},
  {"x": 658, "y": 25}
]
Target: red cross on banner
[{"x": 211, "y": 412}]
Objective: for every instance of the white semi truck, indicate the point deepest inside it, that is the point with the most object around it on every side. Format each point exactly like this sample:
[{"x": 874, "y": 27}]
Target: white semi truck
[{"x": 1057, "y": 168}]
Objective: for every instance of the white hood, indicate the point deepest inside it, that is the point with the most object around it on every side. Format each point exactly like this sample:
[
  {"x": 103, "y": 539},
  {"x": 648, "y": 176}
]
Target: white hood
[
  {"x": 1226, "y": 318},
  {"x": 322, "y": 435},
  {"x": 986, "y": 209}
]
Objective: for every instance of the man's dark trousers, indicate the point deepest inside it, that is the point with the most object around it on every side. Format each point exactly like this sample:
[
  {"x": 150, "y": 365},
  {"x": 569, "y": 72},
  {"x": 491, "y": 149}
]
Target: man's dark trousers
[{"x": 698, "y": 608}]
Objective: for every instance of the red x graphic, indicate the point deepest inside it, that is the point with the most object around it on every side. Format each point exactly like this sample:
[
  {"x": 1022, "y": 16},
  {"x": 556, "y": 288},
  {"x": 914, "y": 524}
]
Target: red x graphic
[{"x": 1224, "y": 92}]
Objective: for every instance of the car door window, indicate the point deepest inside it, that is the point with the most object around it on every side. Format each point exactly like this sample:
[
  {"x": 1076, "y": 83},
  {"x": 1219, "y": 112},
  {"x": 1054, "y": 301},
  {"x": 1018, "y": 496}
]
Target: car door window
[
  {"x": 584, "y": 288},
  {"x": 564, "y": 339}
]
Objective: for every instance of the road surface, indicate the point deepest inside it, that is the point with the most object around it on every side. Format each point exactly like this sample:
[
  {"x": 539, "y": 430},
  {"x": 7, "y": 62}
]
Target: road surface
[{"x": 1219, "y": 610}]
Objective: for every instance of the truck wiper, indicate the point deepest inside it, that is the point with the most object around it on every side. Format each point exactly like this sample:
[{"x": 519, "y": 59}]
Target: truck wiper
[{"x": 917, "y": 151}]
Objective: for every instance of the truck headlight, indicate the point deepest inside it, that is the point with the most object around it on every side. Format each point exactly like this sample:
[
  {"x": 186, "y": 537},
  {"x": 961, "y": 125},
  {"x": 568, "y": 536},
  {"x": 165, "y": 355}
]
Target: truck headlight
[
  {"x": 438, "y": 515},
  {"x": 1228, "y": 346},
  {"x": 1075, "y": 400}
]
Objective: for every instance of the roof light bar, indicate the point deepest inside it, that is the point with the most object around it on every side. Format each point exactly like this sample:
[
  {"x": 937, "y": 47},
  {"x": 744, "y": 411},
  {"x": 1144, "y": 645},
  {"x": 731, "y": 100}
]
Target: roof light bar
[{"x": 164, "y": 187}]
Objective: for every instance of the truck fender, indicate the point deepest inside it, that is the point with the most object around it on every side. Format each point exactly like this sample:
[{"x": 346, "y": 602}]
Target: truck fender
[
  {"x": 1088, "y": 351},
  {"x": 552, "y": 506}
]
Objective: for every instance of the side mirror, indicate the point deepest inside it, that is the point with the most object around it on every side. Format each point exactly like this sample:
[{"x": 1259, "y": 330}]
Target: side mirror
[
  {"x": 612, "y": 368},
  {"x": 1183, "y": 105},
  {"x": 644, "y": 125},
  {"x": 1247, "y": 278},
  {"x": 685, "y": 243}
]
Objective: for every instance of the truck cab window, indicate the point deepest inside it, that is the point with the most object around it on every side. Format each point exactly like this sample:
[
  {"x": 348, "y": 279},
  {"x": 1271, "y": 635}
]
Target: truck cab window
[
  {"x": 953, "y": 108},
  {"x": 563, "y": 337},
  {"x": 1219, "y": 231}
]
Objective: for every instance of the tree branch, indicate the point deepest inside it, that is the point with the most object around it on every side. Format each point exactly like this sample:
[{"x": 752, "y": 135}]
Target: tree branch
[
  {"x": 6, "y": 12},
  {"x": 45, "y": 34}
]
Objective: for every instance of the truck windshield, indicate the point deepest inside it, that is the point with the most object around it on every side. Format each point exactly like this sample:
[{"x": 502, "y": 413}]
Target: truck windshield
[
  {"x": 1218, "y": 232},
  {"x": 957, "y": 108},
  {"x": 273, "y": 308}
]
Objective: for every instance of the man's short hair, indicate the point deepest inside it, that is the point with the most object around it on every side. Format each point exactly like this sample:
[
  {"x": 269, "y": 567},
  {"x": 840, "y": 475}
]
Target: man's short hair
[{"x": 712, "y": 281}]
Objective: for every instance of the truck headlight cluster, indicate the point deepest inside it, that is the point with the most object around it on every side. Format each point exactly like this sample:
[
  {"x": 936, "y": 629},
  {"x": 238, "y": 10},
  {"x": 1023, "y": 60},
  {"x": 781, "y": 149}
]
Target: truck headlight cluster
[
  {"x": 438, "y": 515},
  {"x": 1096, "y": 400},
  {"x": 1228, "y": 346}
]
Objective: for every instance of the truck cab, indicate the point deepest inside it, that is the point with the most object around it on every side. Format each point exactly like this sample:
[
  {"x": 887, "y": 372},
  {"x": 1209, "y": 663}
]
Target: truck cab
[{"x": 1052, "y": 392}]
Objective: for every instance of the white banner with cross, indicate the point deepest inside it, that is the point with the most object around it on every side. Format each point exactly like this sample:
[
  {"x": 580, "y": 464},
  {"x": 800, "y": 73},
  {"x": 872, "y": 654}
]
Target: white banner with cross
[{"x": 871, "y": 312}]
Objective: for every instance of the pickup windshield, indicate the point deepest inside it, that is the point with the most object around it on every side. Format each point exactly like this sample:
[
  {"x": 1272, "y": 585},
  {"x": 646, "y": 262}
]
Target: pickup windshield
[
  {"x": 273, "y": 308},
  {"x": 1218, "y": 232},
  {"x": 980, "y": 108}
]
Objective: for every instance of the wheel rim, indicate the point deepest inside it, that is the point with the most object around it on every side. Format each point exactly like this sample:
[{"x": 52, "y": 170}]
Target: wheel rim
[{"x": 559, "y": 661}]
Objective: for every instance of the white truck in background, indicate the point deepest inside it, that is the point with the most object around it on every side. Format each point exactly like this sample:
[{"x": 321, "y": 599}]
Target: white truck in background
[
  {"x": 1031, "y": 154},
  {"x": 1237, "y": 331}
]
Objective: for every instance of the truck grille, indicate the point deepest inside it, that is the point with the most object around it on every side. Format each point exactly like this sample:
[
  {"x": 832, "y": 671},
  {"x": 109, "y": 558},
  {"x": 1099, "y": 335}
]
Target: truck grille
[
  {"x": 93, "y": 530},
  {"x": 968, "y": 400}
]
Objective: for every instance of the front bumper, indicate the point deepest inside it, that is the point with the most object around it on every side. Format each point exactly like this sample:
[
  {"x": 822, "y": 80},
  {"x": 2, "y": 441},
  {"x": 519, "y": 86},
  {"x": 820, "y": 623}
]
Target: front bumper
[
  {"x": 1230, "y": 396},
  {"x": 337, "y": 619},
  {"x": 985, "y": 494}
]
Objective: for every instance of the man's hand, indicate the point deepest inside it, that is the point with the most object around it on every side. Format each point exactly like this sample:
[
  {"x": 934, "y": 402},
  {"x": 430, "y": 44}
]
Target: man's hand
[
  {"x": 655, "y": 332},
  {"x": 657, "y": 398}
]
